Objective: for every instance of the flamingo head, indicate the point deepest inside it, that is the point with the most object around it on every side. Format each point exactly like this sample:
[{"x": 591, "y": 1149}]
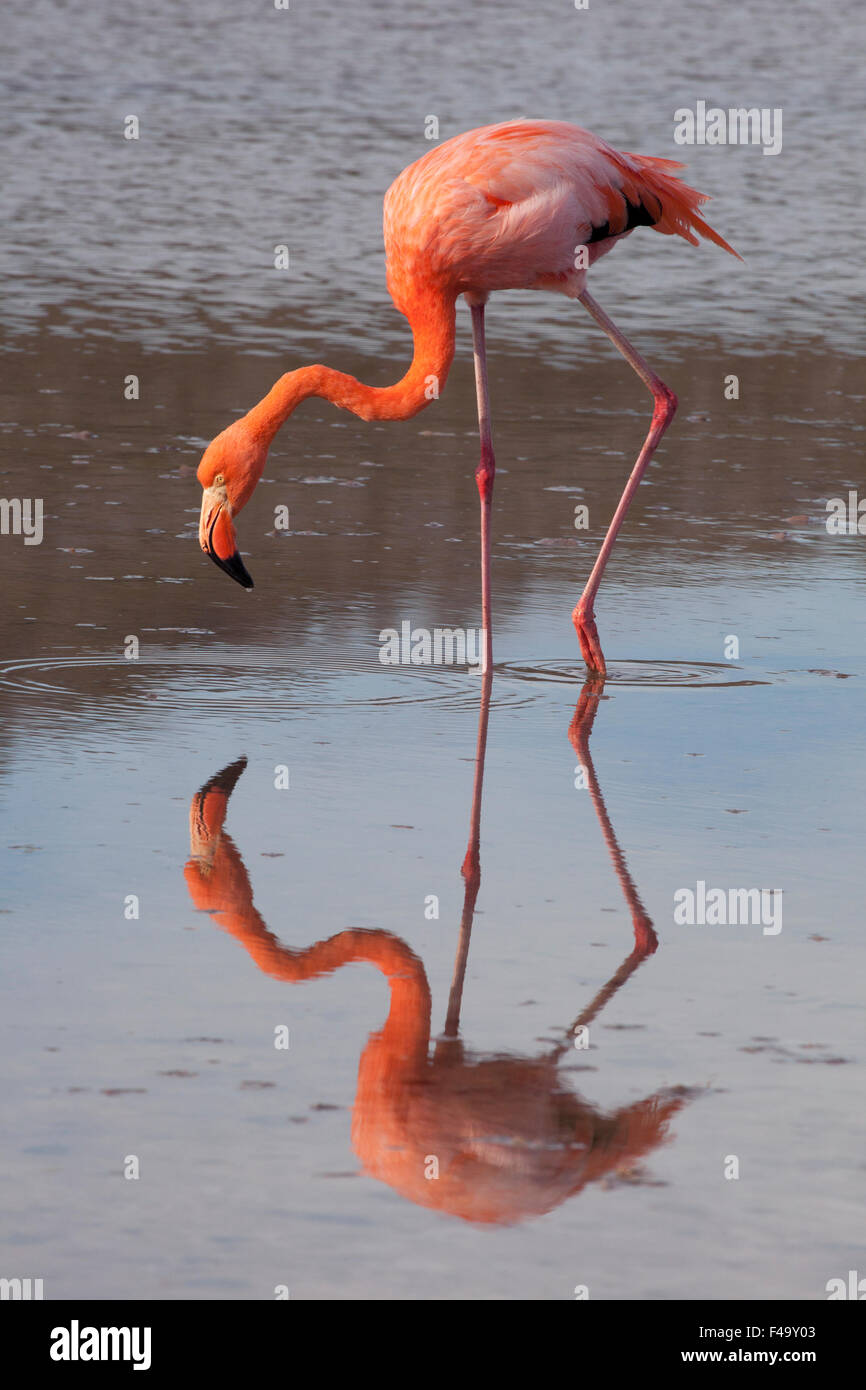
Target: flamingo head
[{"x": 230, "y": 467}]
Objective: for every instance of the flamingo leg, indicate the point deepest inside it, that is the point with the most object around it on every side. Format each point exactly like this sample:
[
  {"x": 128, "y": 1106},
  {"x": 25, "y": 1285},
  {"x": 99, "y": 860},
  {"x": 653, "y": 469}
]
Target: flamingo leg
[
  {"x": 484, "y": 475},
  {"x": 665, "y": 405}
]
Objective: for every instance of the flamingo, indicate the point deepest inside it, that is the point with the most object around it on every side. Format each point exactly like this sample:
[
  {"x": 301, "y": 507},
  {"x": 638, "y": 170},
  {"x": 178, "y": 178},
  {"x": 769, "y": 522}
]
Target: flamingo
[
  {"x": 527, "y": 204},
  {"x": 511, "y": 1137}
]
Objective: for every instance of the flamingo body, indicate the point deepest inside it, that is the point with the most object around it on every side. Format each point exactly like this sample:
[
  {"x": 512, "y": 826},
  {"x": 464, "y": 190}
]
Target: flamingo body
[
  {"x": 520, "y": 205},
  {"x": 507, "y": 206}
]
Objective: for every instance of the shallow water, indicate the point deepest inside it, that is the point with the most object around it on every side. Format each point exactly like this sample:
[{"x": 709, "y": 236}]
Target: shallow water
[
  {"x": 261, "y": 127},
  {"x": 154, "y": 1036}
]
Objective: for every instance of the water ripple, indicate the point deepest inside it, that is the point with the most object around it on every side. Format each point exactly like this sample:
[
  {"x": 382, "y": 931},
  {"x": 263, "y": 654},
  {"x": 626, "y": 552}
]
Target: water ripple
[
  {"x": 91, "y": 685},
  {"x": 688, "y": 674}
]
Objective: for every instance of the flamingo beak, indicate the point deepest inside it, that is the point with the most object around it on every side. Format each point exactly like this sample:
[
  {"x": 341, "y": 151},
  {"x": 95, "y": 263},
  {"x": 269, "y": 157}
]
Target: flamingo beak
[{"x": 217, "y": 537}]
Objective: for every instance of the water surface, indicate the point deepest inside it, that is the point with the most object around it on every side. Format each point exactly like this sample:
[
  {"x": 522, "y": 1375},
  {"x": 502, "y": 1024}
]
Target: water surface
[{"x": 153, "y": 1036}]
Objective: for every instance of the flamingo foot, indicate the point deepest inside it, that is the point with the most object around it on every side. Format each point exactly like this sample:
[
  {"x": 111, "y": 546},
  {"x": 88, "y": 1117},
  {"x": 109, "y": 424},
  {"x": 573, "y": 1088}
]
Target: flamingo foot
[{"x": 587, "y": 635}]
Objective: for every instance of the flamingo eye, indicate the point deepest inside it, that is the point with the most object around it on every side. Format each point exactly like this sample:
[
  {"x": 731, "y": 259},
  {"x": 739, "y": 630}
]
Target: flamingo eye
[{"x": 218, "y": 480}]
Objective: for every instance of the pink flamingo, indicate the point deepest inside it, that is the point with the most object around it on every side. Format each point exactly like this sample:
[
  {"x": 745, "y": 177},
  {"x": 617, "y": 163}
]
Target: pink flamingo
[
  {"x": 512, "y": 1137},
  {"x": 521, "y": 205}
]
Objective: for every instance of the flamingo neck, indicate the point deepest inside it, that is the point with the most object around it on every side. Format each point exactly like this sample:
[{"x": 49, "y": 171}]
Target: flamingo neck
[{"x": 432, "y": 319}]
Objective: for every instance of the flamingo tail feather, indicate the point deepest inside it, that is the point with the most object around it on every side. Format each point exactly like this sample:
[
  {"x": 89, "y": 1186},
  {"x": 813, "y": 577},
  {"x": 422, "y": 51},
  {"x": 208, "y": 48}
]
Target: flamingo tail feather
[{"x": 678, "y": 202}]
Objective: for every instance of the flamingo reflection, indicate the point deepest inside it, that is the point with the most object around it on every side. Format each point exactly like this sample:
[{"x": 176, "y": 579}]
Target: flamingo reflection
[{"x": 491, "y": 1138}]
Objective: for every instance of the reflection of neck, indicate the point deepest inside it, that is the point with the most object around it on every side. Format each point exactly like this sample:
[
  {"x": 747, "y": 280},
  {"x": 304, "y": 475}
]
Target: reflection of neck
[
  {"x": 223, "y": 889},
  {"x": 431, "y": 317}
]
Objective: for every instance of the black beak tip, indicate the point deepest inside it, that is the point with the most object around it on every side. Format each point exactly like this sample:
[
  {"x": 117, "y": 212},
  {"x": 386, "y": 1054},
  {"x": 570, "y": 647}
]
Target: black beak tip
[
  {"x": 226, "y": 780},
  {"x": 235, "y": 567}
]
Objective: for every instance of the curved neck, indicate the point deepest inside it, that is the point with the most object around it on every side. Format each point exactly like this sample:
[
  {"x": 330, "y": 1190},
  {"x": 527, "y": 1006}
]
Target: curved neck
[
  {"x": 432, "y": 319},
  {"x": 219, "y": 884}
]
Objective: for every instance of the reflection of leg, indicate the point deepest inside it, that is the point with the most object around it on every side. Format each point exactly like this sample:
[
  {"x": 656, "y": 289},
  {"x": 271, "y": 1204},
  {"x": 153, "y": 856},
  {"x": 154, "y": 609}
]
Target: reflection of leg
[
  {"x": 485, "y": 474},
  {"x": 645, "y": 938},
  {"x": 607, "y": 991},
  {"x": 665, "y": 406},
  {"x": 471, "y": 864}
]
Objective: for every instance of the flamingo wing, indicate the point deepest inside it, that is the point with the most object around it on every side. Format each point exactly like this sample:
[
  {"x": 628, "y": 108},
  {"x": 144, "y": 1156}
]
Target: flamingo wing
[{"x": 507, "y": 206}]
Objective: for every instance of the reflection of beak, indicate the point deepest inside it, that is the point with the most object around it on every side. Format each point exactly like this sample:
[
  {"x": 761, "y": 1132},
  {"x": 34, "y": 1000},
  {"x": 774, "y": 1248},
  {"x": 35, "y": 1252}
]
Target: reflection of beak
[
  {"x": 208, "y": 811},
  {"x": 217, "y": 536}
]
